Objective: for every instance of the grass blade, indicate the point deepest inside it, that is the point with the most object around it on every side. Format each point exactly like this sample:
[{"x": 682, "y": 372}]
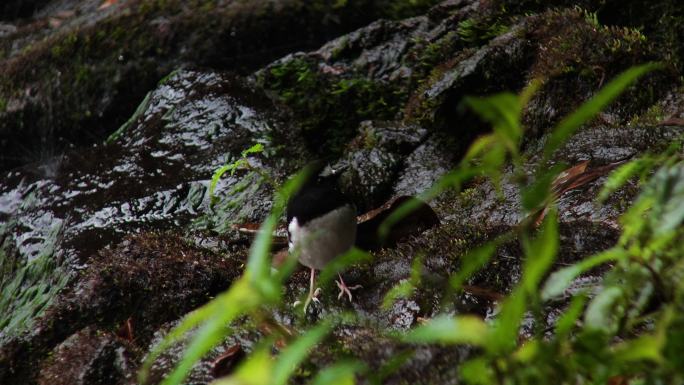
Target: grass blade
[{"x": 593, "y": 106}]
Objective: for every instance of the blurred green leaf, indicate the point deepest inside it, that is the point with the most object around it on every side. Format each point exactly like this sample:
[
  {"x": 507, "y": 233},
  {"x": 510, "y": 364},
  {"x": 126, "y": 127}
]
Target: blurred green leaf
[
  {"x": 259, "y": 262},
  {"x": 238, "y": 300},
  {"x": 619, "y": 177},
  {"x": 479, "y": 146},
  {"x": 528, "y": 352},
  {"x": 561, "y": 279},
  {"x": 340, "y": 263},
  {"x": 464, "y": 329},
  {"x": 643, "y": 348},
  {"x": 668, "y": 185},
  {"x": 472, "y": 262},
  {"x": 258, "y": 268},
  {"x": 503, "y": 112},
  {"x": 538, "y": 193},
  {"x": 403, "y": 289},
  {"x": 492, "y": 164},
  {"x": 632, "y": 220},
  {"x": 604, "y": 309},
  {"x": 406, "y": 287},
  {"x": 477, "y": 371},
  {"x": 339, "y": 373},
  {"x": 593, "y": 106},
  {"x": 505, "y": 334},
  {"x": 255, "y": 370},
  {"x": 540, "y": 252},
  {"x": 256, "y": 287},
  {"x": 567, "y": 321},
  {"x": 293, "y": 355},
  {"x": 238, "y": 293}
]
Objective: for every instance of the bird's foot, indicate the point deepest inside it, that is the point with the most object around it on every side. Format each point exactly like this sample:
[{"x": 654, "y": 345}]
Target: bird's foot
[
  {"x": 309, "y": 298},
  {"x": 344, "y": 289}
]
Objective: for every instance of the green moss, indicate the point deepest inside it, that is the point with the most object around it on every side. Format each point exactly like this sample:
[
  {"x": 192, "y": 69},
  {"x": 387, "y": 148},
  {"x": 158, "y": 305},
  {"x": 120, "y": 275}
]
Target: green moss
[
  {"x": 337, "y": 52},
  {"x": 230, "y": 208},
  {"x": 330, "y": 107},
  {"x": 477, "y": 32},
  {"x": 27, "y": 287},
  {"x": 660, "y": 21},
  {"x": 420, "y": 108},
  {"x": 468, "y": 197},
  {"x": 399, "y": 9},
  {"x": 652, "y": 116},
  {"x": 435, "y": 53},
  {"x": 65, "y": 45},
  {"x": 572, "y": 42}
]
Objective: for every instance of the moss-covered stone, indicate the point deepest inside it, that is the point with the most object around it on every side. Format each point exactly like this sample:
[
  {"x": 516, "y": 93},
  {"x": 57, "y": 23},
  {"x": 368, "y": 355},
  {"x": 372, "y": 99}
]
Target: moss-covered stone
[
  {"x": 329, "y": 107},
  {"x": 75, "y": 85},
  {"x": 146, "y": 280}
]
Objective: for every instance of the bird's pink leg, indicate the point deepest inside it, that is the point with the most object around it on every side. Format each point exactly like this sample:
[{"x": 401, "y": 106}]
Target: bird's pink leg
[
  {"x": 313, "y": 293},
  {"x": 344, "y": 289}
]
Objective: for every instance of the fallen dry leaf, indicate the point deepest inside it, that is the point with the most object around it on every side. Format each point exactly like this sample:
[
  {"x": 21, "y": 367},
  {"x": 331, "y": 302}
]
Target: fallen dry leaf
[
  {"x": 483, "y": 292},
  {"x": 567, "y": 176},
  {"x": 570, "y": 179},
  {"x": 269, "y": 326},
  {"x": 226, "y": 362},
  {"x": 107, "y": 4},
  {"x": 672, "y": 122}
]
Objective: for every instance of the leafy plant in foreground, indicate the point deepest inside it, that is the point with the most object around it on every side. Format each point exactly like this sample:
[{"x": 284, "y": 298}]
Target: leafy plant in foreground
[
  {"x": 599, "y": 337},
  {"x": 608, "y": 337}
]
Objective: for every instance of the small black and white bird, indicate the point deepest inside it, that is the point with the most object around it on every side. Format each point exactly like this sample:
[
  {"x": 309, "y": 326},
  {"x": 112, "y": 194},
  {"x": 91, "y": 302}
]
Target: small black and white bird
[{"x": 321, "y": 226}]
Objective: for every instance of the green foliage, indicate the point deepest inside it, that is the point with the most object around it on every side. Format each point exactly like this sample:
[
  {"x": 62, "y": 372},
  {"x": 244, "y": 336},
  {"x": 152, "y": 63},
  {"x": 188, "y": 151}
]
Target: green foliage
[
  {"x": 472, "y": 262},
  {"x": 341, "y": 373},
  {"x": 504, "y": 359},
  {"x": 228, "y": 207},
  {"x": 256, "y": 289},
  {"x": 142, "y": 107},
  {"x": 561, "y": 279},
  {"x": 330, "y": 107},
  {"x": 592, "y": 107},
  {"x": 451, "y": 330},
  {"x": 232, "y": 167},
  {"x": 399, "y": 9},
  {"x": 631, "y": 327},
  {"x": 405, "y": 288},
  {"x": 477, "y": 32},
  {"x": 27, "y": 287}
]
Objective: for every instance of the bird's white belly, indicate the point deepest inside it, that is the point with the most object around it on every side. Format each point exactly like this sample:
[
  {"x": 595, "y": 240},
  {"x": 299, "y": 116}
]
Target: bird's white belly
[{"x": 322, "y": 239}]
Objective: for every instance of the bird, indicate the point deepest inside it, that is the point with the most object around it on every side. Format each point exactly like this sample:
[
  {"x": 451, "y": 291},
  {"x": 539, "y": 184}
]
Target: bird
[{"x": 321, "y": 225}]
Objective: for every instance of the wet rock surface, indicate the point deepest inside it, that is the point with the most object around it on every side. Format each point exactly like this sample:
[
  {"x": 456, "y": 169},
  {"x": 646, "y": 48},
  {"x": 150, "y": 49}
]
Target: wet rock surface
[
  {"x": 377, "y": 154},
  {"x": 104, "y": 248},
  {"x": 87, "y": 357},
  {"x": 153, "y": 176},
  {"x": 75, "y": 70}
]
